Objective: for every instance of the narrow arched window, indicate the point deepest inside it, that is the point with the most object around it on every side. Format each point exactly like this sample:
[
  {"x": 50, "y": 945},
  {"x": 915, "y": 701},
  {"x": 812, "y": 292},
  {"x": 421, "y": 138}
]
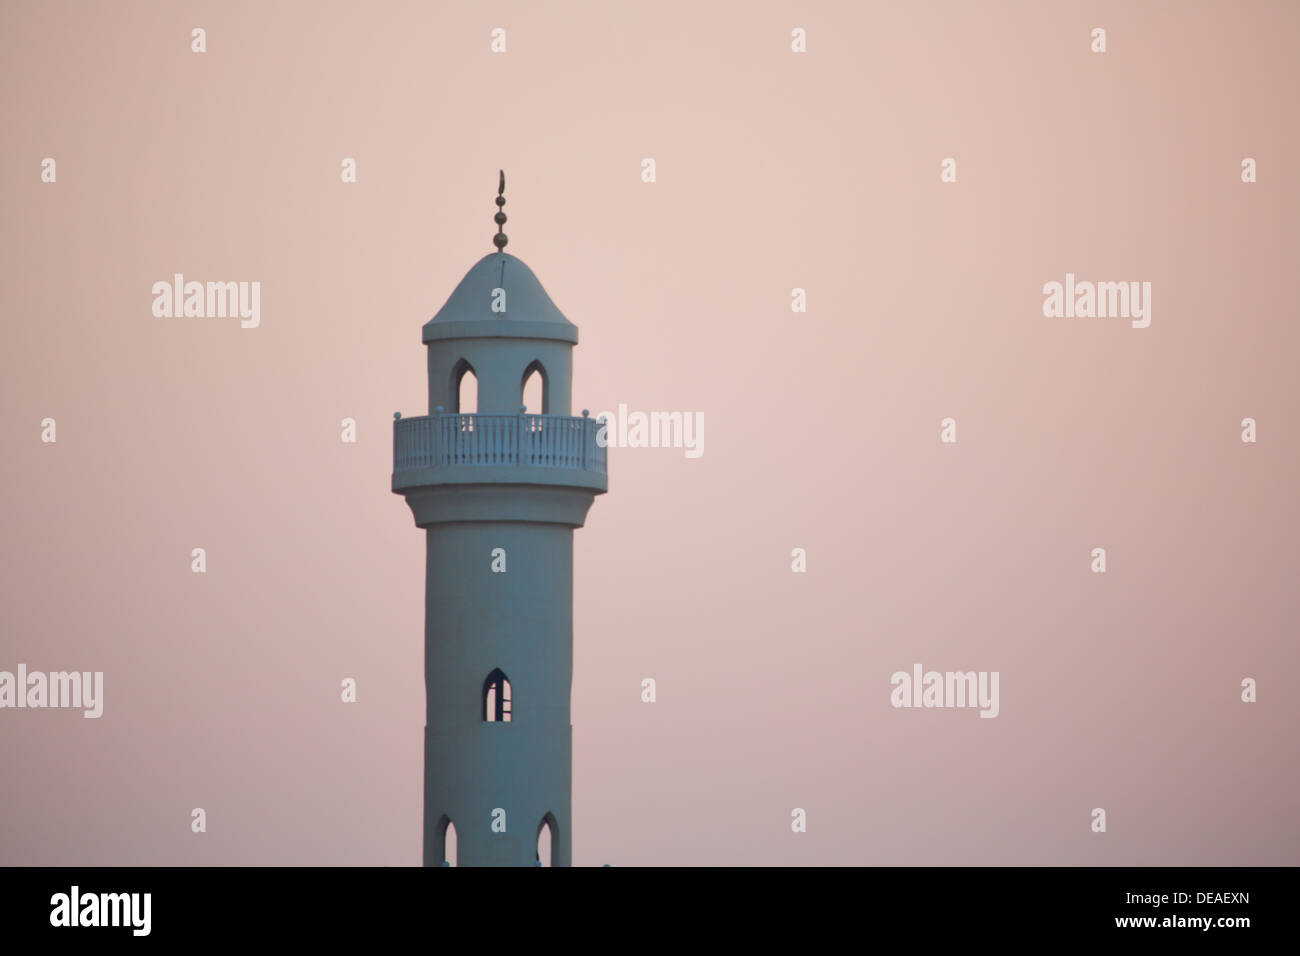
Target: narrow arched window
[
  {"x": 535, "y": 392},
  {"x": 496, "y": 697},
  {"x": 546, "y": 841},
  {"x": 464, "y": 388},
  {"x": 446, "y": 850}
]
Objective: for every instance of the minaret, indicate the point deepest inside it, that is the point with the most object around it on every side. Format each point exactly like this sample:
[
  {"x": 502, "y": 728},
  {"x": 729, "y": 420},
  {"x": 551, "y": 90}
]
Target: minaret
[{"x": 498, "y": 493}]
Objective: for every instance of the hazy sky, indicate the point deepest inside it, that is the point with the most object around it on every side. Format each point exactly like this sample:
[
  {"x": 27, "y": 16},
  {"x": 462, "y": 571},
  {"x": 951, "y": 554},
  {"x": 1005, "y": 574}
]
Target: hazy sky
[{"x": 775, "y": 170}]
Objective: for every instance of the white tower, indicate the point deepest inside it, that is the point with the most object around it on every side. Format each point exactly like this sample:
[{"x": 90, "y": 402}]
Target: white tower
[{"x": 498, "y": 493}]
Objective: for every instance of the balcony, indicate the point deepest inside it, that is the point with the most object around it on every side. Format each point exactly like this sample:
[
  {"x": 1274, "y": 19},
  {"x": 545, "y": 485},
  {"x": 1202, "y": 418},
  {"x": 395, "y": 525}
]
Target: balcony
[{"x": 452, "y": 448}]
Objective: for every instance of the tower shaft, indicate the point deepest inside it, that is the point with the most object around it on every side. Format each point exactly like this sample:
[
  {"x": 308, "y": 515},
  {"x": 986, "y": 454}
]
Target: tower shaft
[{"x": 486, "y": 774}]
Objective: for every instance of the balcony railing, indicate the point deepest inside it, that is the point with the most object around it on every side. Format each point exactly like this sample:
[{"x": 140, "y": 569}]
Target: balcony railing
[{"x": 454, "y": 440}]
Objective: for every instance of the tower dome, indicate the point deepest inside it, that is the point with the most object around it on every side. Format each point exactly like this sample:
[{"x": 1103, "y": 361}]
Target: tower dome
[{"x": 500, "y": 297}]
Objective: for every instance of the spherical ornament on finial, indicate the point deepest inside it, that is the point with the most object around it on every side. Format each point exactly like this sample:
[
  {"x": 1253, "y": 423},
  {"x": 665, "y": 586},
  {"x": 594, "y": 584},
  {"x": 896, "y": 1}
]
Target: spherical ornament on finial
[{"x": 500, "y": 239}]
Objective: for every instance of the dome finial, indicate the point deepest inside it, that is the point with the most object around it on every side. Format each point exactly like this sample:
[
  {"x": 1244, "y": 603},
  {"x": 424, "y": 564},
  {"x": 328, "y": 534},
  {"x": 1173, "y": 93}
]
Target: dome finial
[{"x": 500, "y": 240}]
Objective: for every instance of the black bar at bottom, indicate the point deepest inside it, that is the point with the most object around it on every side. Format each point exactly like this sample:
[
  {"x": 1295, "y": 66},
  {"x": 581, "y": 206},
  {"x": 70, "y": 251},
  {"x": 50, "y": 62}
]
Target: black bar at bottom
[{"x": 302, "y": 905}]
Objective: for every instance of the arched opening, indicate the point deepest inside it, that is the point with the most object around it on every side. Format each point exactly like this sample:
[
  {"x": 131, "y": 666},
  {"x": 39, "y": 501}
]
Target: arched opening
[
  {"x": 464, "y": 388},
  {"x": 445, "y": 851},
  {"x": 546, "y": 840},
  {"x": 535, "y": 390},
  {"x": 496, "y": 698}
]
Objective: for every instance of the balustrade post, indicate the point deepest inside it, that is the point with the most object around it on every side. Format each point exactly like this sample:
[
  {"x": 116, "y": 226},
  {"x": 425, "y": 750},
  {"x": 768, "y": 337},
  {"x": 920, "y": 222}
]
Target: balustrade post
[
  {"x": 436, "y": 443},
  {"x": 522, "y": 431},
  {"x": 586, "y": 427},
  {"x": 397, "y": 456}
]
